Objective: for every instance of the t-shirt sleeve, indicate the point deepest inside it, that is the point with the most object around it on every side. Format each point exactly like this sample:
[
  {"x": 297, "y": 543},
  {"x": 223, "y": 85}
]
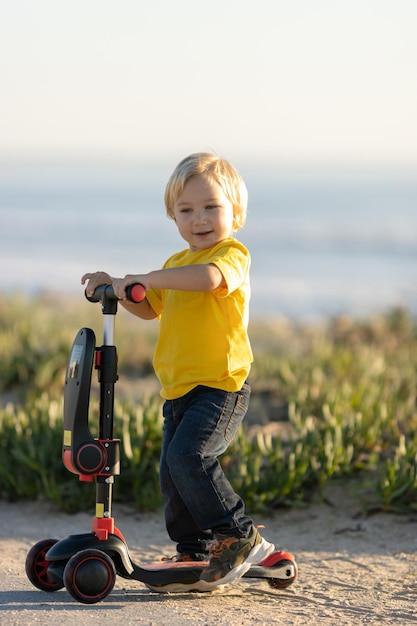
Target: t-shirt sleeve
[{"x": 234, "y": 264}]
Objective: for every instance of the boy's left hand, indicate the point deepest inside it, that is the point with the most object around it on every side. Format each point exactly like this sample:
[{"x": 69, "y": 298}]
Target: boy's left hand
[{"x": 120, "y": 284}]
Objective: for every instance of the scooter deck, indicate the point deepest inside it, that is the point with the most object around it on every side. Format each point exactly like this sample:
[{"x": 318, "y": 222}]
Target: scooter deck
[{"x": 156, "y": 575}]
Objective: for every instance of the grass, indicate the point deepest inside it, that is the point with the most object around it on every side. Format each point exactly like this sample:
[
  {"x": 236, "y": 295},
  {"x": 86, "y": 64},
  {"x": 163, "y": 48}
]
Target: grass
[{"x": 331, "y": 401}]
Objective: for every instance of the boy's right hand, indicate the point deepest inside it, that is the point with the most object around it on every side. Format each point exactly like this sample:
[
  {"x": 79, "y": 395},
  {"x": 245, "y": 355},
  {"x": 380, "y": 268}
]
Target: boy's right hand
[{"x": 96, "y": 279}]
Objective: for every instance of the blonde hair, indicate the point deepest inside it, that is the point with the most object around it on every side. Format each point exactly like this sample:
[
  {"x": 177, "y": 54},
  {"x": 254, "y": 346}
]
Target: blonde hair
[{"x": 215, "y": 169}]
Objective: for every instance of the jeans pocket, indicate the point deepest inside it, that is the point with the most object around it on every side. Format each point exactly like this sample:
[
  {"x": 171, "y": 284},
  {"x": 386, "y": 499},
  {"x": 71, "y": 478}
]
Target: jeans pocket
[{"x": 238, "y": 414}]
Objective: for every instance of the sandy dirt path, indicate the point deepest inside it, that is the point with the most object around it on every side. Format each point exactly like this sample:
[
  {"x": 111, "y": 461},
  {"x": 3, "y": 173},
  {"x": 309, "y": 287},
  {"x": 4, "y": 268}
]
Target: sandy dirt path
[{"x": 352, "y": 570}]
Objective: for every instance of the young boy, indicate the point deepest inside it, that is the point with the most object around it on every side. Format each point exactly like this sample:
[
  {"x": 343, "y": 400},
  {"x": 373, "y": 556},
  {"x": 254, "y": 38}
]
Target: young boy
[{"x": 202, "y": 359}]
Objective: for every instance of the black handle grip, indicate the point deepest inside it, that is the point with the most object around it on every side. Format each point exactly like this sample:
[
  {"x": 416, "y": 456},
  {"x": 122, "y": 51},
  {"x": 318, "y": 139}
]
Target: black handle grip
[{"x": 135, "y": 293}]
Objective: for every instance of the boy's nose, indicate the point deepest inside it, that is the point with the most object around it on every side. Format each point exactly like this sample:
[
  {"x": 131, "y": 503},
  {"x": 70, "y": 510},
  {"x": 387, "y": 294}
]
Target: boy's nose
[{"x": 200, "y": 217}]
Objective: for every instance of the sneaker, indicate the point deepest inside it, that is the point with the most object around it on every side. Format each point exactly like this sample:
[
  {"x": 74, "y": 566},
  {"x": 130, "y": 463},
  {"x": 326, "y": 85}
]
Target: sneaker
[
  {"x": 232, "y": 557},
  {"x": 184, "y": 557}
]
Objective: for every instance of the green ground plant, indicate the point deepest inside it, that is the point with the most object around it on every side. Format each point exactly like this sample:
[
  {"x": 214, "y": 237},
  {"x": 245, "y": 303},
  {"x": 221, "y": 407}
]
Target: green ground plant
[{"x": 341, "y": 394}]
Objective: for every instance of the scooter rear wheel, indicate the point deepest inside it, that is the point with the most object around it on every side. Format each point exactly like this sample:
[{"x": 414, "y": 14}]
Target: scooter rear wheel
[
  {"x": 89, "y": 576},
  {"x": 37, "y": 566},
  {"x": 290, "y": 568}
]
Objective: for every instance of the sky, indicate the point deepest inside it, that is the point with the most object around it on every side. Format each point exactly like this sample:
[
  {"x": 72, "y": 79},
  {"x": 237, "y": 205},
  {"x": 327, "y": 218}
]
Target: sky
[{"x": 295, "y": 82}]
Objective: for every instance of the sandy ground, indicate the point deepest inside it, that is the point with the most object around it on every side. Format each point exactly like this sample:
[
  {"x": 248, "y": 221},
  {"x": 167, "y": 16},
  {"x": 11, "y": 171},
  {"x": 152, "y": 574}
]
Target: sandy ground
[{"x": 352, "y": 570}]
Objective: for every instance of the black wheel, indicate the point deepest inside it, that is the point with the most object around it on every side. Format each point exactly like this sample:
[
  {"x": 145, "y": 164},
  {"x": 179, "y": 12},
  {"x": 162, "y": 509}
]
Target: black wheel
[
  {"x": 89, "y": 576},
  {"x": 37, "y": 566},
  {"x": 289, "y": 570}
]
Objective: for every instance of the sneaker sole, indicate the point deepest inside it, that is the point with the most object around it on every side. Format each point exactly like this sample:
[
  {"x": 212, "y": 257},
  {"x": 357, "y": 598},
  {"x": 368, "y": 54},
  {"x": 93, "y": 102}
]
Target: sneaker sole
[{"x": 256, "y": 555}]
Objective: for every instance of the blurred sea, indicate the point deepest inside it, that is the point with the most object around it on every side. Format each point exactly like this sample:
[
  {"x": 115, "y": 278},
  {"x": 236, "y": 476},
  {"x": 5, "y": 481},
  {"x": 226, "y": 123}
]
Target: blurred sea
[{"x": 318, "y": 248}]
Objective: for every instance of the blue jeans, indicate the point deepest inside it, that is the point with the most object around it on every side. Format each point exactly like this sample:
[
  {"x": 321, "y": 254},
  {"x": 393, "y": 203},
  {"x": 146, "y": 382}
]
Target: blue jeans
[{"x": 200, "y": 501}]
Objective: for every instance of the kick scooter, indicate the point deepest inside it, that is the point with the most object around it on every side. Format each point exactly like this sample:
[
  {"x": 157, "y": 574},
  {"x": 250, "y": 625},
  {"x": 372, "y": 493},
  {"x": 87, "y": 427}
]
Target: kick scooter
[{"x": 86, "y": 564}]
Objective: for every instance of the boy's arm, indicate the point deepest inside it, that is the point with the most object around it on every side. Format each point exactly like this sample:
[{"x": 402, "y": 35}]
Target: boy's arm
[
  {"x": 141, "y": 309},
  {"x": 186, "y": 278}
]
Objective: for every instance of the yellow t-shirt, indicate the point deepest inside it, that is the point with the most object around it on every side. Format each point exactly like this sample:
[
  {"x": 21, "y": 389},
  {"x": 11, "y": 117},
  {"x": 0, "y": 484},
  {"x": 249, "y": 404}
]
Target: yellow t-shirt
[{"x": 203, "y": 336}]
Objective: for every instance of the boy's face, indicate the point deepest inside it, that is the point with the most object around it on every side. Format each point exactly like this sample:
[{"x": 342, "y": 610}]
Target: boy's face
[{"x": 203, "y": 213}]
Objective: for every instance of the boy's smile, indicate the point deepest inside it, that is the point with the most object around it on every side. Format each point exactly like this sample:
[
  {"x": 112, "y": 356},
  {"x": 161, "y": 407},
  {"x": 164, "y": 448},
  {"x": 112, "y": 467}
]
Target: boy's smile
[{"x": 203, "y": 213}]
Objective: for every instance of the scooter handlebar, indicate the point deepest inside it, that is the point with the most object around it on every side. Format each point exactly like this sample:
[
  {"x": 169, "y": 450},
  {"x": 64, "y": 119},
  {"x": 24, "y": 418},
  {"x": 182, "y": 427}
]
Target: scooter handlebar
[{"x": 135, "y": 293}]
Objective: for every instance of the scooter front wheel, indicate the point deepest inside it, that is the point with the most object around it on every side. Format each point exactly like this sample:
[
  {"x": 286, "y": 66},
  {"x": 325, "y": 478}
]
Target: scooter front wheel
[
  {"x": 89, "y": 576},
  {"x": 37, "y": 566}
]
